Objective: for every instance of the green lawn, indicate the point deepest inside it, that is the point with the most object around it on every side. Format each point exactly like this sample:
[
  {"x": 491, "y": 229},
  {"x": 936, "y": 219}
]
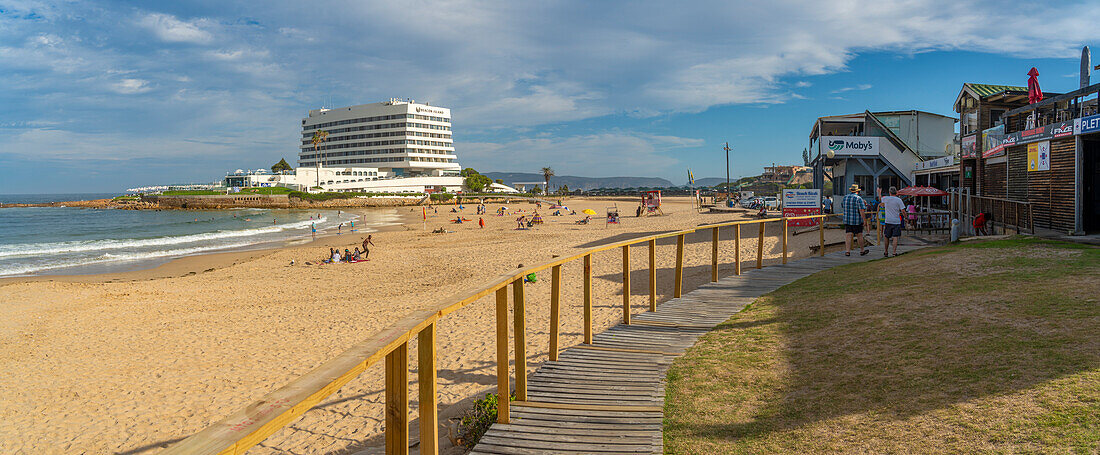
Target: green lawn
[{"x": 990, "y": 347}]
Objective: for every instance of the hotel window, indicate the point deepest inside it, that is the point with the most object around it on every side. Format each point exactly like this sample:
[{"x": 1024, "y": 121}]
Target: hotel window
[{"x": 995, "y": 116}]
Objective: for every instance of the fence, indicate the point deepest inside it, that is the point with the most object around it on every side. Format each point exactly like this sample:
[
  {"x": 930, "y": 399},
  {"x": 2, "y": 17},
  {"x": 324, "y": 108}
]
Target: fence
[
  {"x": 249, "y": 426},
  {"x": 1006, "y": 214}
]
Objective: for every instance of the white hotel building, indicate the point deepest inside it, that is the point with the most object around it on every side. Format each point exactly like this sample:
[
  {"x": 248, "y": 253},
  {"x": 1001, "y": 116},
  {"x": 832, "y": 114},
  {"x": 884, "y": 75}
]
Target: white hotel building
[
  {"x": 398, "y": 138},
  {"x": 392, "y": 146}
]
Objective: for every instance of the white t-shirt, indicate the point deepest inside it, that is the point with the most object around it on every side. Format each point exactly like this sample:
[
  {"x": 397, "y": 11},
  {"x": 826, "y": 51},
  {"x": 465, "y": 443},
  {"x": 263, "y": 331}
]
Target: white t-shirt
[{"x": 894, "y": 208}]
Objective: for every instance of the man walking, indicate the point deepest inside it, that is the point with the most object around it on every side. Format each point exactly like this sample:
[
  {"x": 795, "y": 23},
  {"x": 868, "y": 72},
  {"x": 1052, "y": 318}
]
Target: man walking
[
  {"x": 894, "y": 207},
  {"x": 854, "y": 209},
  {"x": 366, "y": 251}
]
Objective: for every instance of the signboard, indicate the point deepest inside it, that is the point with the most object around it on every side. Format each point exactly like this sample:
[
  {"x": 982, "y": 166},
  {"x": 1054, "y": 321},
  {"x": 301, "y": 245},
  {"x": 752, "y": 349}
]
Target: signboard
[
  {"x": 1085, "y": 125},
  {"x": 969, "y": 146},
  {"x": 993, "y": 141},
  {"x": 1038, "y": 156},
  {"x": 945, "y": 161},
  {"x": 850, "y": 145},
  {"x": 798, "y": 202}
]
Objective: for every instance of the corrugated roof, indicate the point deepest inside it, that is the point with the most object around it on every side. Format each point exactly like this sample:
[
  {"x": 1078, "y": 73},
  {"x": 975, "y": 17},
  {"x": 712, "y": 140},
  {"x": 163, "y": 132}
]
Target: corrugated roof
[{"x": 984, "y": 90}]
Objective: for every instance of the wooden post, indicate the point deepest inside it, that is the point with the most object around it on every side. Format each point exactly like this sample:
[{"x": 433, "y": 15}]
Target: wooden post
[
  {"x": 1031, "y": 218},
  {"x": 784, "y": 240},
  {"x": 397, "y": 400},
  {"x": 653, "y": 275},
  {"x": 679, "y": 266},
  {"x": 760, "y": 248},
  {"x": 504, "y": 384},
  {"x": 714, "y": 255},
  {"x": 1016, "y": 217},
  {"x": 821, "y": 235},
  {"x": 518, "y": 332},
  {"x": 429, "y": 408},
  {"x": 1004, "y": 221},
  {"x": 588, "y": 299},
  {"x": 626, "y": 284},
  {"x": 737, "y": 249},
  {"x": 555, "y": 302}
]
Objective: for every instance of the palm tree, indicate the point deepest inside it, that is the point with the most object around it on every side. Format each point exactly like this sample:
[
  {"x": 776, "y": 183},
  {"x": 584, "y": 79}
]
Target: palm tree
[
  {"x": 319, "y": 137},
  {"x": 546, "y": 174}
]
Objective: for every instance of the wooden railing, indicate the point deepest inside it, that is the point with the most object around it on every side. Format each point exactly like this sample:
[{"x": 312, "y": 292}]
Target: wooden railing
[
  {"x": 1006, "y": 214},
  {"x": 247, "y": 427}
]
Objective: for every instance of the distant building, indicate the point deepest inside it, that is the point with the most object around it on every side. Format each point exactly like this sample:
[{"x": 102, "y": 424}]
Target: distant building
[
  {"x": 398, "y": 138},
  {"x": 877, "y": 150}
]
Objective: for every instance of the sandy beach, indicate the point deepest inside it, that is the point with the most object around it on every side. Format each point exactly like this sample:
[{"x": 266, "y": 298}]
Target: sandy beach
[{"x": 132, "y": 362}]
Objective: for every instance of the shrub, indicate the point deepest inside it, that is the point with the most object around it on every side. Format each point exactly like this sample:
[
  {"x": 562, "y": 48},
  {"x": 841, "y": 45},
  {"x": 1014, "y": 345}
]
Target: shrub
[{"x": 477, "y": 421}]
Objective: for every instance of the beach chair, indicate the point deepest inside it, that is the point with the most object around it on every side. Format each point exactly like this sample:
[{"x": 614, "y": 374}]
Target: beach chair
[{"x": 612, "y": 215}]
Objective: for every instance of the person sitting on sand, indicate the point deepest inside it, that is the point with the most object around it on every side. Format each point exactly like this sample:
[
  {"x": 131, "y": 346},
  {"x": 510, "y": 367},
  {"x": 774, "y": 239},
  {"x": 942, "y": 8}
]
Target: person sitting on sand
[
  {"x": 347, "y": 255},
  {"x": 334, "y": 256},
  {"x": 355, "y": 254}
]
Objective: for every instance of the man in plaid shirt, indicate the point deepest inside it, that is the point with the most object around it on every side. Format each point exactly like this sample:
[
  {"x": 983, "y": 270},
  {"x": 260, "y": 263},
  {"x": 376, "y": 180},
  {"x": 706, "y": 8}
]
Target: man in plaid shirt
[{"x": 854, "y": 208}]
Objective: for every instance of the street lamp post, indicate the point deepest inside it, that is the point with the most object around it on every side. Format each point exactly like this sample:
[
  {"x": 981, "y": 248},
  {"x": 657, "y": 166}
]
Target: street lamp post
[{"x": 729, "y": 194}]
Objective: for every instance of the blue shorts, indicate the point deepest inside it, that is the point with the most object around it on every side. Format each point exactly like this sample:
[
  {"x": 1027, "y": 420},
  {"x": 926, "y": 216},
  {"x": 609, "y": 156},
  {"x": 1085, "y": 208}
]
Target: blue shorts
[{"x": 892, "y": 230}]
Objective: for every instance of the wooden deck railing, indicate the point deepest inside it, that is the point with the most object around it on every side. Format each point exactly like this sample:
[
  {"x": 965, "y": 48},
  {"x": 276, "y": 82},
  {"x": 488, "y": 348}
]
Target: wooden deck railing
[{"x": 247, "y": 427}]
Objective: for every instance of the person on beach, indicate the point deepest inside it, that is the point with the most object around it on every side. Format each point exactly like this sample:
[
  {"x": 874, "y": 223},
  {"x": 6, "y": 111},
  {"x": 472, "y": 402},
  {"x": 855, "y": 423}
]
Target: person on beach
[
  {"x": 366, "y": 250},
  {"x": 356, "y": 254},
  {"x": 893, "y": 208},
  {"x": 481, "y": 223},
  {"x": 855, "y": 211},
  {"x": 334, "y": 256},
  {"x": 347, "y": 255},
  {"x": 827, "y": 205}
]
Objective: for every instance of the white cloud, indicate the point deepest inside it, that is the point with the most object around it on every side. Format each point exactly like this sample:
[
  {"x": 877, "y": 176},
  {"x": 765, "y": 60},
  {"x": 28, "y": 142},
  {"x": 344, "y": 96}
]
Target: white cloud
[
  {"x": 131, "y": 86},
  {"x": 169, "y": 28},
  {"x": 859, "y": 87}
]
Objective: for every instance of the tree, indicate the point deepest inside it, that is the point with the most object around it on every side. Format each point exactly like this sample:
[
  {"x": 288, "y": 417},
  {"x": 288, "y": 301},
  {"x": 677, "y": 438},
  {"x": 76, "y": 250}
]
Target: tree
[
  {"x": 281, "y": 166},
  {"x": 564, "y": 189},
  {"x": 500, "y": 181},
  {"x": 468, "y": 172},
  {"x": 805, "y": 156},
  {"x": 536, "y": 190},
  {"x": 546, "y": 174},
  {"x": 477, "y": 182}
]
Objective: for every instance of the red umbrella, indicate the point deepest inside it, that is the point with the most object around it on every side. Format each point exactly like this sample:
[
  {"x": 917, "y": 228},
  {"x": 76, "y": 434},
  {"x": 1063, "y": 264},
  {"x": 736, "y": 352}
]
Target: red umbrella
[
  {"x": 1034, "y": 94},
  {"x": 921, "y": 191}
]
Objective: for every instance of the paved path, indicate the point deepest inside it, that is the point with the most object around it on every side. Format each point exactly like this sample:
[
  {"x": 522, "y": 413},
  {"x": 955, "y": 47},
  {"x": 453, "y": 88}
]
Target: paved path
[{"x": 609, "y": 397}]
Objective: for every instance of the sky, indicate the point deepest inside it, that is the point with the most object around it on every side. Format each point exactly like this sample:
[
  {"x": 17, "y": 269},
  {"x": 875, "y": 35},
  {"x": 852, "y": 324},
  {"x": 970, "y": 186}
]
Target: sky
[{"x": 100, "y": 96}]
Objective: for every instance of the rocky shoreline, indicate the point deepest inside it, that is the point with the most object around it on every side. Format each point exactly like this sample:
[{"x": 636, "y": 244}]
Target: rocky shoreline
[{"x": 228, "y": 202}]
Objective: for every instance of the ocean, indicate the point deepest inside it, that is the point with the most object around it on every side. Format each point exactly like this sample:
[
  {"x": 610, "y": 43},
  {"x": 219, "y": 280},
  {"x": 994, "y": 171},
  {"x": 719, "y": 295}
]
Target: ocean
[{"x": 69, "y": 240}]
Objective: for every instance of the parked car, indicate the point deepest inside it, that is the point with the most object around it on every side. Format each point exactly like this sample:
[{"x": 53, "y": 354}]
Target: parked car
[
  {"x": 751, "y": 202},
  {"x": 771, "y": 202}
]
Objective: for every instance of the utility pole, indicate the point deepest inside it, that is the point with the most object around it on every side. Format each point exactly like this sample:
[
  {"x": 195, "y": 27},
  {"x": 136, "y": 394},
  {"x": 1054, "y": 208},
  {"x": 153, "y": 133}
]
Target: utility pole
[{"x": 729, "y": 193}]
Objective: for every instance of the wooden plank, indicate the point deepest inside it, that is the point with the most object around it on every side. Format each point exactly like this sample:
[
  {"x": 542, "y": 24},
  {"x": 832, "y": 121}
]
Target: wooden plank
[
  {"x": 429, "y": 408},
  {"x": 653, "y": 275},
  {"x": 588, "y": 299},
  {"x": 519, "y": 337},
  {"x": 555, "y": 303},
  {"x": 714, "y": 254},
  {"x": 626, "y": 284},
  {"x": 737, "y": 249},
  {"x": 679, "y": 266},
  {"x": 785, "y": 228},
  {"x": 587, "y": 407},
  {"x": 504, "y": 383},
  {"x": 397, "y": 401},
  {"x": 638, "y": 351},
  {"x": 760, "y": 248}
]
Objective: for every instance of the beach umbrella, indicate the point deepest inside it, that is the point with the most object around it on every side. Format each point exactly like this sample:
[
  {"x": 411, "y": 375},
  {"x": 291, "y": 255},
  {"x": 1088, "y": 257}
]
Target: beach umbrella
[
  {"x": 588, "y": 212},
  {"x": 1034, "y": 93}
]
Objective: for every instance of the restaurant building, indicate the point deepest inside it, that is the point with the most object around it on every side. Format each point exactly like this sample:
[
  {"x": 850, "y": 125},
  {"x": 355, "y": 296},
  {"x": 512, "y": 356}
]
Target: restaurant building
[
  {"x": 1046, "y": 154},
  {"x": 877, "y": 150}
]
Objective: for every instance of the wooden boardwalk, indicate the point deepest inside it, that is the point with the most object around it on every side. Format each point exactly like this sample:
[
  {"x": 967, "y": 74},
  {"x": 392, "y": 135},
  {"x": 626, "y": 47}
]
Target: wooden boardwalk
[{"x": 609, "y": 397}]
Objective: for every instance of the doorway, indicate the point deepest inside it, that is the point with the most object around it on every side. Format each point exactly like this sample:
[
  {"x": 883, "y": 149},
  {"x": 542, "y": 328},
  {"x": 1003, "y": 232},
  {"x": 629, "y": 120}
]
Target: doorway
[{"x": 1090, "y": 193}]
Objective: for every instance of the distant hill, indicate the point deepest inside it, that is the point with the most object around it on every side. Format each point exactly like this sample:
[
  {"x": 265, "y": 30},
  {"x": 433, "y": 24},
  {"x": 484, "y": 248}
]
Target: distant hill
[
  {"x": 581, "y": 183},
  {"x": 711, "y": 181}
]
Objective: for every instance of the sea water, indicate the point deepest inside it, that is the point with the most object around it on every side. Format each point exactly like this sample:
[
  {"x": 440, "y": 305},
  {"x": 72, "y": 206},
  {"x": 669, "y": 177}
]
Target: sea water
[{"x": 70, "y": 240}]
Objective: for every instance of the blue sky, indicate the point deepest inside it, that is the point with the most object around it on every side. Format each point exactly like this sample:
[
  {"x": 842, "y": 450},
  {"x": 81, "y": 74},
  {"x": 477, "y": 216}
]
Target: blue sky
[{"x": 101, "y": 96}]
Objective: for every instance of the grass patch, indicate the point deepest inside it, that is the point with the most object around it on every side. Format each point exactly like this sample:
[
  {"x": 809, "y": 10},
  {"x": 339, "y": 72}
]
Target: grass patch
[{"x": 986, "y": 347}]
